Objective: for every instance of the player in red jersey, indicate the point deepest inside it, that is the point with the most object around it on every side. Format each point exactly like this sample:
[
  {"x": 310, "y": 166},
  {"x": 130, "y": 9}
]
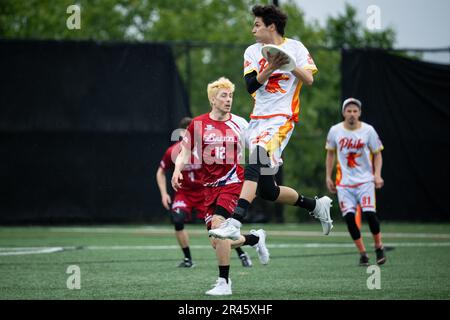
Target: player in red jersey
[
  {"x": 189, "y": 197},
  {"x": 216, "y": 138}
]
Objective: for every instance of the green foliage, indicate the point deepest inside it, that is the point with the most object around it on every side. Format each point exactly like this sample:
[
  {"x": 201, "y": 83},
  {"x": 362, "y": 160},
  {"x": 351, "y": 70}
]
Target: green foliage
[{"x": 209, "y": 38}]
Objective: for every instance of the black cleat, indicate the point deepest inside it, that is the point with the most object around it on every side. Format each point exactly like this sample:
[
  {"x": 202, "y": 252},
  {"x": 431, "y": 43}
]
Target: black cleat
[
  {"x": 364, "y": 260},
  {"x": 245, "y": 259},
  {"x": 186, "y": 263},
  {"x": 381, "y": 257}
]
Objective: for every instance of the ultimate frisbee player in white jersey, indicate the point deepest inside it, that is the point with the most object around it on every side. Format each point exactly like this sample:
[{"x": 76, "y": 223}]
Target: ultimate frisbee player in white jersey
[
  {"x": 277, "y": 106},
  {"x": 358, "y": 173}
]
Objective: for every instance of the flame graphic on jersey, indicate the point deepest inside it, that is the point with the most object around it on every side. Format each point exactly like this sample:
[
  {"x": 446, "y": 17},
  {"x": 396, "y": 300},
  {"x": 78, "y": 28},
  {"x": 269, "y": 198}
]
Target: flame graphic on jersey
[
  {"x": 351, "y": 159},
  {"x": 273, "y": 85}
]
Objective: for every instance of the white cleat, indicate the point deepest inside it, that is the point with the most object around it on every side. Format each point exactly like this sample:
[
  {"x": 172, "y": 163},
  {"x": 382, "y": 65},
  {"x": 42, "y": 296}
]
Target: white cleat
[
  {"x": 261, "y": 249},
  {"x": 221, "y": 288},
  {"x": 322, "y": 212},
  {"x": 229, "y": 229}
]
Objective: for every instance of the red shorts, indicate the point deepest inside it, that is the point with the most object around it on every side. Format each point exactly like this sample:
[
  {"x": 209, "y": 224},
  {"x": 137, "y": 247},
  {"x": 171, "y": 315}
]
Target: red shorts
[
  {"x": 188, "y": 200},
  {"x": 225, "y": 196}
]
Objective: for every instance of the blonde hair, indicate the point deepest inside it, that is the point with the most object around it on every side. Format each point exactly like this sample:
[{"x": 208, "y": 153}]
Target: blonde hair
[{"x": 214, "y": 87}]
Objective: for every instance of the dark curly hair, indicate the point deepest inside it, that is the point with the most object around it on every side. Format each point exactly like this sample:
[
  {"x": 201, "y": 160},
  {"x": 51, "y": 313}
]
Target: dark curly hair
[{"x": 271, "y": 14}]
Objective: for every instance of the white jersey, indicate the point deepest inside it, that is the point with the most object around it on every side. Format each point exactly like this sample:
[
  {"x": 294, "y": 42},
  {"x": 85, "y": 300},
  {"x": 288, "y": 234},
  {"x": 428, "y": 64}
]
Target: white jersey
[
  {"x": 354, "y": 150},
  {"x": 279, "y": 95}
]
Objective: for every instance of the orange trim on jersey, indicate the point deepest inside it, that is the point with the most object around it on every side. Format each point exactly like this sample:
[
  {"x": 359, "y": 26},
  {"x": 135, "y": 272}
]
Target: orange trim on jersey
[
  {"x": 295, "y": 105},
  {"x": 279, "y": 137},
  {"x": 252, "y": 116},
  {"x": 310, "y": 67},
  {"x": 377, "y": 151},
  {"x": 338, "y": 173},
  {"x": 351, "y": 186},
  {"x": 250, "y": 71}
]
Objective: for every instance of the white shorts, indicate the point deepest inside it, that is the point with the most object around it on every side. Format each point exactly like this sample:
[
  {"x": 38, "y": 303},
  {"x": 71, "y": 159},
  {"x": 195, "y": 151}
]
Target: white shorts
[
  {"x": 272, "y": 134},
  {"x": 349, "y": 198}
]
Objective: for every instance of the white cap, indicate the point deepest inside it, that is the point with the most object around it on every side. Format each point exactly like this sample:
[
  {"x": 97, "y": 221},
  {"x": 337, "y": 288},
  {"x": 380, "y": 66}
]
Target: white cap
[{"x": 351, "y": 100}]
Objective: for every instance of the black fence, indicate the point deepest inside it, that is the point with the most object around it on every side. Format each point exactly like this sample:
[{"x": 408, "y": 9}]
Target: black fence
[{"x": 83, "y": 126}]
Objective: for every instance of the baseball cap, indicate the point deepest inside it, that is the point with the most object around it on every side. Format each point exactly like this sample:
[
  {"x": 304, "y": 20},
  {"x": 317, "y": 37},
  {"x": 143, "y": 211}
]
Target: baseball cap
[{"x": 351, "y": 100}]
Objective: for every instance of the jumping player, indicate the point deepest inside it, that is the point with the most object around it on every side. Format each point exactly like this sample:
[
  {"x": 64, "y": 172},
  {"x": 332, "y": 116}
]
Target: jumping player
[
  {"x": 275, "y": 113},
  {"x": 216, "y": 137},
  {"x": 359, "y": 163}
]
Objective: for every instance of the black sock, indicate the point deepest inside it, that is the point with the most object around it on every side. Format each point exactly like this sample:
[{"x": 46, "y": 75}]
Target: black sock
[
  {"x": 239, "y": 251},
  {"x": 250, "y": 239},
  {"x": 224, "y": 272},
  {"x": 241, "y": 209},
  {"x": 306, "y": 203},
  {"x": 187, "y": 253}
]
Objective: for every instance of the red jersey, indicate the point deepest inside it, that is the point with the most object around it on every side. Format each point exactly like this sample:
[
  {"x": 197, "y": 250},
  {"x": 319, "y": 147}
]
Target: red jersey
[
  {"x": 218, "y": 146},
  {"x": 191, "y": 172}
]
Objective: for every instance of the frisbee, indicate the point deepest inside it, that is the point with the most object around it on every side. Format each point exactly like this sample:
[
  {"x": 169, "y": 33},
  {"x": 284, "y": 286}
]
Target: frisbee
[{"x": 273, "y": 50}]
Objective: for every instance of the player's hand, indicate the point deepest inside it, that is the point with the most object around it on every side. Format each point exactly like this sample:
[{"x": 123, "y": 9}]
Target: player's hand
[
  {"x": 166, "y": 201},
  {"x": 177, "y": 178},
  {"x": 330, "y": 185},
  {"x": 276, "y": 61},
  {"x": 379, "y": 182}
]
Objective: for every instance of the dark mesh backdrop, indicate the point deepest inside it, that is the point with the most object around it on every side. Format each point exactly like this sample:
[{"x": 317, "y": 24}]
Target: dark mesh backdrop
[
  {"x": 408, "y": 103},
  {"x": 83, "y": 126}
]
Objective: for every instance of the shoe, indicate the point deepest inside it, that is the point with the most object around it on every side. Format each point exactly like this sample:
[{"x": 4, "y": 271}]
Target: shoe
[
  {"x": 245, "y": 259},
  {"x": 364, "y": 260},
  {"x": 221, "y": 288},
  {"x": 322, "y": 212},
  {"x": 186, "y": 263},
  {"x": 229, "y": 229},
  {"x": 261, "y": 249},
  {"x": 381, "y": 257}
]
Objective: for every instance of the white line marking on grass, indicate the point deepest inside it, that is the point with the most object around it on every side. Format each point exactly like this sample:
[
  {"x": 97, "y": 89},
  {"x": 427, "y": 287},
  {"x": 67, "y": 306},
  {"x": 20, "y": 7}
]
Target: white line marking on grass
[
  {"x": 286, "y": 233},
  {"x": 5, "y": 251},
  {"x": 29, "y": 250},
  {"x": 274, "y": 246}
]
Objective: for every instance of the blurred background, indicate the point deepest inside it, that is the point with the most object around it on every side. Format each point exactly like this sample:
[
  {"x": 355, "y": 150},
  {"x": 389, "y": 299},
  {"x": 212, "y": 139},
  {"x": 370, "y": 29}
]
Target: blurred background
[{"x": 87, "y": 106}]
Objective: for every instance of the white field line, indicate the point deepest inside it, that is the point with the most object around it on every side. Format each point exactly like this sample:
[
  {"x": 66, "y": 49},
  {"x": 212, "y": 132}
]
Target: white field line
[
  {"x": 286, "y": 233},
  {"x": 274, "y": 246},
  {"x": 34, "y": 250},
  {"x": 8, "y": 251}
]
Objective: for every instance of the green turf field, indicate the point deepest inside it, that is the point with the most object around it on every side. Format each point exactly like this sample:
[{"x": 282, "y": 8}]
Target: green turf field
[{"x": 139, "y": 262}]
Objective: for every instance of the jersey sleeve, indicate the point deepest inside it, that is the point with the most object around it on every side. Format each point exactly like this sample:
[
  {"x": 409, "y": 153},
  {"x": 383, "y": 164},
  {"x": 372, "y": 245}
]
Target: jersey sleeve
[
  {"x": 250, "y": 63},
  {"x": 331, "y": 141},
  {"x": 375, "y": 143},
  {"x": 166, "y": 162},
  {"x": 304, "y": 60}
]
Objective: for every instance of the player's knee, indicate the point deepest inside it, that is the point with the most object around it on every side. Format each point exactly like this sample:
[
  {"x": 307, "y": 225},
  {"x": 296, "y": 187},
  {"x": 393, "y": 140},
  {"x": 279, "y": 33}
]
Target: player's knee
[
  {"x": 178, "y": 220},
  {"x": 267, "y": 189},
  {"x": 374, "y": 223},
  {"x": 351, "y": 225},
  {"x": 258, "y": 159}
]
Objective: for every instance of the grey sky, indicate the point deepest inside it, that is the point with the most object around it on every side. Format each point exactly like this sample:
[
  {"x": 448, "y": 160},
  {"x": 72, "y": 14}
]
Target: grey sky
[{"x": 417, "y": 23}]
